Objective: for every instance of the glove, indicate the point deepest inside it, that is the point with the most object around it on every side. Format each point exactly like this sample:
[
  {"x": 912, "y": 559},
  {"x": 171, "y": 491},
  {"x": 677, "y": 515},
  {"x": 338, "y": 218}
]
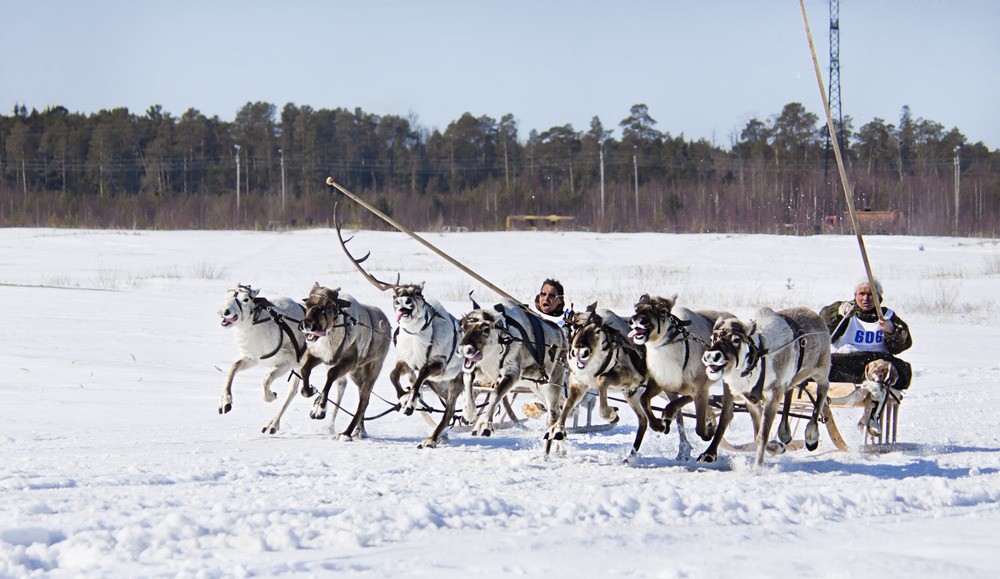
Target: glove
[{"x": 846, "y": 309}]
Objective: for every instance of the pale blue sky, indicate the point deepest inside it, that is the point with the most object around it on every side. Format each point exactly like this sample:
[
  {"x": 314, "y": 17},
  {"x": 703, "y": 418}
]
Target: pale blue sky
[{"x": 702, "y": 67}]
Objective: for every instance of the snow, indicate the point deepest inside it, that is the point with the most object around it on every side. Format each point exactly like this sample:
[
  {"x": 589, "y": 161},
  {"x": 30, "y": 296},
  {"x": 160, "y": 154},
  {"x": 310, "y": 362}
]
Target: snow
[{"x": 115, "y": 461}]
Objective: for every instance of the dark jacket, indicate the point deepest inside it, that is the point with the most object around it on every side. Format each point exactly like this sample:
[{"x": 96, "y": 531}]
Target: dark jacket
[{"x": 895, "y": 342}]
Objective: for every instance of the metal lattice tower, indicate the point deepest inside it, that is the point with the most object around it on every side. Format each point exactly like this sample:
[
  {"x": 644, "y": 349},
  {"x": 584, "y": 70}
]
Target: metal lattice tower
[{"x": 833, "y": 91}]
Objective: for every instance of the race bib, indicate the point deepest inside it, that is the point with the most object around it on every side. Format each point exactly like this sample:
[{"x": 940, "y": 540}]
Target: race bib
[{"x": 861, "y": 336}]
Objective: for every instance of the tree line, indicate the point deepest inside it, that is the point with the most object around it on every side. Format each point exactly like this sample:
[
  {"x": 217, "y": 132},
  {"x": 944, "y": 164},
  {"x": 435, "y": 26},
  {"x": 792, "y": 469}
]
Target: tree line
[{"x": 267, "y": 168}]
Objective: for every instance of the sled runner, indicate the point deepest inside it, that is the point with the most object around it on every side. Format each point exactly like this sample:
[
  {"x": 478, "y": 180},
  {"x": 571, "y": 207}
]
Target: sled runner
[{"x": 842, "y": 395}]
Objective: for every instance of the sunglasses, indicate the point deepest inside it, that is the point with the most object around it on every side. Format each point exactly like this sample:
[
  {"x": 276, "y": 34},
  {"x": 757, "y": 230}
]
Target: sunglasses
[{"x": 548, "y": 295}]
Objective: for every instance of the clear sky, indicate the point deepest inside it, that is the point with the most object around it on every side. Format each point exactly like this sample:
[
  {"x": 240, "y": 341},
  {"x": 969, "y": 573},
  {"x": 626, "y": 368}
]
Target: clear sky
[{"x": 704, "y": 68}]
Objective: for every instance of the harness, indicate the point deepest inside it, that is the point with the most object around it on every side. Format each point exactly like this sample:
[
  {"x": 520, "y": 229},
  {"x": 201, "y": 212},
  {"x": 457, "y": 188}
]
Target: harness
[
  {"x": 612, "y": 338},
  {"x": 536, "y": 345},
  {"x": 758, "y": 352},
  {"x": 430, "y": 344},
  {"x": 681, "y": 333},
  {"x": 262, "y": 305}
]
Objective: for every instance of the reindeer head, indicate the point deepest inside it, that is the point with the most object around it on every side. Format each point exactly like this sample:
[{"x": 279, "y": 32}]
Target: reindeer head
[
  {"x": 652, "y": 319},
  {"x": 323, "y": 307},
  {"x": 730, "y": 337},
  {"x": 406, "y": 300},
  {"x": 587, "y": 341},
  {"x": 574, "y": 321},
  {"x": 237, "y": 305},
  {"x": 479, "y": 333}
]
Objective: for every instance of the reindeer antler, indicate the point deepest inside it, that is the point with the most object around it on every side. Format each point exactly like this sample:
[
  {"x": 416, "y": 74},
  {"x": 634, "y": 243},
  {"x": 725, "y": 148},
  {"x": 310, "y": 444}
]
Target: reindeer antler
[{"x": 381, "y": 285}]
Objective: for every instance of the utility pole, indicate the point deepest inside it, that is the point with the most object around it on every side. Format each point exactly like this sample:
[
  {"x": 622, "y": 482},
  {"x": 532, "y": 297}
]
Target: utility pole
[
  {"x": 282, "y": 154},
  {"x": 237, "y": 147},
  {"x": 635, "y": 166},
  {"x": 602, "y": 182},
  {"x": 958, "y": 188}
]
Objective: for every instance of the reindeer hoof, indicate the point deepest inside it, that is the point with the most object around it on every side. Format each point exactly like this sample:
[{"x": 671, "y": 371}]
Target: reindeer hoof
[
  {"x": 775, "y": 447},
  {"x": 269, "y": 429},
  {"x": 307, "y": 392},
  {"x": 812, "y": 436},
  {"x": 269, "y": 396},
  {"x": 429, "y": 443},
  {"x": 317, "y": 414},
  {"x": 408, "y": 411},
  {"x": 707, "y": 458},
  {"x": 225, "y": 408}
]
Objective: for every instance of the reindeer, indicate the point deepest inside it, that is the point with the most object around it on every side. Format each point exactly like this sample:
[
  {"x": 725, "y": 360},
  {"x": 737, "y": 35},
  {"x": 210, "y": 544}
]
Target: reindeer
[
  {"x": 762, "y": 361},
  {"x": 266, "y": 332},
  {"x": 350, "y": 338},
  {"x": 426, "y": 339},
  {"x": 510, "y": 345},
  {"x": 675, "y": 339},
  {"x": 601, "y": 357}
]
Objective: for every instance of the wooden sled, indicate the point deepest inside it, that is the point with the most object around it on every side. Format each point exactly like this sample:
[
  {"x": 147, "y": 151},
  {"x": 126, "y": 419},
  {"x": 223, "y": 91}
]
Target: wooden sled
[
  {"x": 842, "y": 395},
  {"x": 509, "y": 418}
]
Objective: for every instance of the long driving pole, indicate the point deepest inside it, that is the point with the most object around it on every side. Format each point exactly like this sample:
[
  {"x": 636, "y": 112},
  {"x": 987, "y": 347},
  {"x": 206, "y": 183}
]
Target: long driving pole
[
  {"x": 840, "y": 166},
  {"x": 334, "y": 185}
]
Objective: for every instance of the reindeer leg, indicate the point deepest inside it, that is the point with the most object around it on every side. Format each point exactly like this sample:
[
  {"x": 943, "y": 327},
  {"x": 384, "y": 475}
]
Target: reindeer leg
[
  {"x": 357, "y": 426},
  {"x": 394, "y": 375},
  {"x": 469, "y": 412},
  {"x": 812, "y": 429},
  {"x": 711, "y": 453},
  {"x": 784, "y": 428},
  {"x": 608, "y": 412},
  {"x": 308, "y": 364},
  {"x": 484, "y": 426},
  {"x": 226, "y": 404},
  {"x": 655, "y": 422},
  {"x": 635, "y": 402},
  {"x": 270, "y": 376},
  {"x": 409, "y": 400},
  {"x": 683, "y": 444},
  {"x": 275, "y": 424},
  {"x": 770, "y": 404},
  {"x": 673, "y": 409},
  {"x": 341, "y": 388},
  {"x": 705, "y": 424},
  {"x": 558, "y": 430},
  {"x": 454, "y": 388}
]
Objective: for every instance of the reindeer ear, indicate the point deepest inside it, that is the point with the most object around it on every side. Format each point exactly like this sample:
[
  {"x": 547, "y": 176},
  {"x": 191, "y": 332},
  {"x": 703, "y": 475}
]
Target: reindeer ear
[
  {"x": 592, "y": 307},
  {"x": 475, "y": 306},
  {"x": 752, "y": 328},
  {"x": 253, "y": 292}
]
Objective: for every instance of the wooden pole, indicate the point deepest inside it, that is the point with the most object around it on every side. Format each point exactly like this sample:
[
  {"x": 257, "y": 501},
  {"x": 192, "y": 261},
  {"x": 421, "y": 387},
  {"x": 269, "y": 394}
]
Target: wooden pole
[
  {"x": 334, "y": 185},
  {"x": 840, "y": 166}
]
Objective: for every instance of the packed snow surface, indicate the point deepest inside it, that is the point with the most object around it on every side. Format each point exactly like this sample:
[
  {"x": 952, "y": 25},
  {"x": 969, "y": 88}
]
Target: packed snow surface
[{"x": 117, "y": 462}]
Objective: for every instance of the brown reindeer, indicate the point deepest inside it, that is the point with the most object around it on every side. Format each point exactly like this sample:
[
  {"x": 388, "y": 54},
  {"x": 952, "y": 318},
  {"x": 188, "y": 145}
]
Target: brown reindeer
[{"x": 349, "y": 337}]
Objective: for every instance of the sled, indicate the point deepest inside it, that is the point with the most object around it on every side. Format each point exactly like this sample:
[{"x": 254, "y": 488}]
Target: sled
[
  {"x": 509, "y": 418},
  {"x": 842, "y": 395}
]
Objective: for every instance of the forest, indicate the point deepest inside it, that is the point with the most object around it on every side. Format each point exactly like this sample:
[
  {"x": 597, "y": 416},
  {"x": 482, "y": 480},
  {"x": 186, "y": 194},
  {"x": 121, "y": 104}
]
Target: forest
[{"x": 267, "y": 169}]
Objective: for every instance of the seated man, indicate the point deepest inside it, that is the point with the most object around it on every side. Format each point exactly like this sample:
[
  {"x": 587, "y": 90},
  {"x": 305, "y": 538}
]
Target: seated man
[
  {"x": 550, "y": 300},
  {"x": 859, "y": 337}
]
